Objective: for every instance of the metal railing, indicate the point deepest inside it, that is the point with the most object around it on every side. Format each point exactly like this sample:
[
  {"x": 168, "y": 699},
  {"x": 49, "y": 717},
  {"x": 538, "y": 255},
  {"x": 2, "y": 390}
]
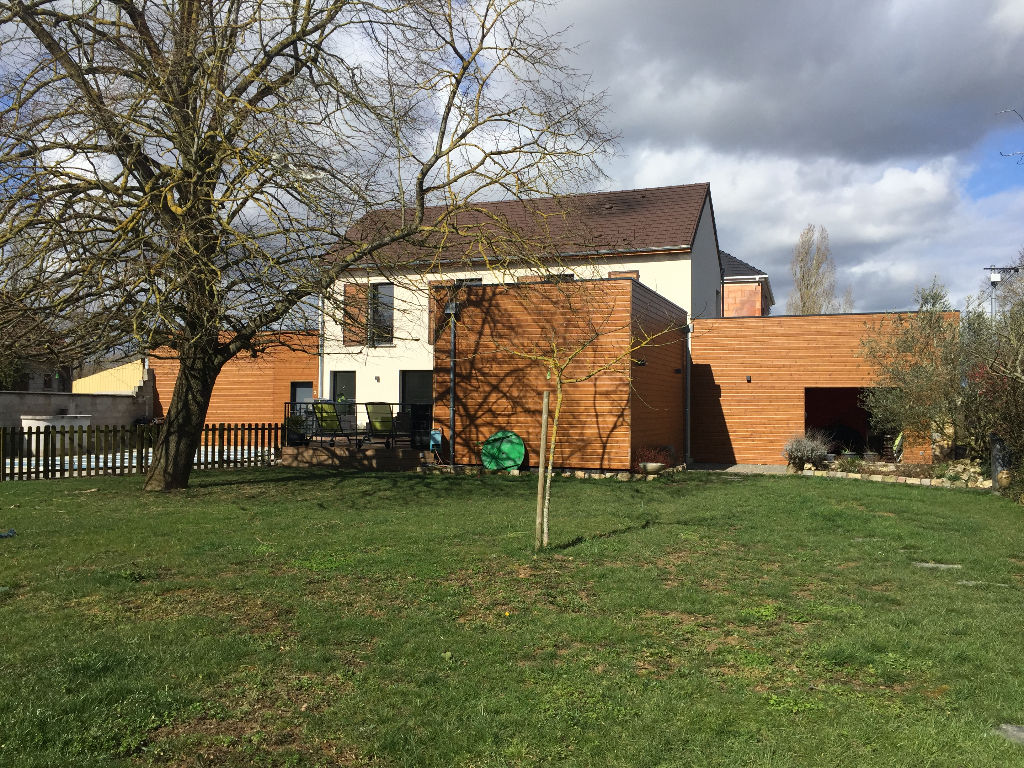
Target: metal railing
[{"x": 359, "y": 424}]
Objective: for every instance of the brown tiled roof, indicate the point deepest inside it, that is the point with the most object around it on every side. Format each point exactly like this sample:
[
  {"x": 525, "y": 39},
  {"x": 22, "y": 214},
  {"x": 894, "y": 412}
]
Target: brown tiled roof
[
  {"x": 733, "y": 267},
  {"x": 627, "y": 221}
]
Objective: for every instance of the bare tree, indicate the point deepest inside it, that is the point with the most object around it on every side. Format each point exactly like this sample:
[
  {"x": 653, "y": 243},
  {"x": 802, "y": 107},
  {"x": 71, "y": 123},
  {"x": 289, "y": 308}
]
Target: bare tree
[
  {"x": 814, "y": 277},
  {"x": 578, "y": 340},
  {"x": 186, "y": 172}
]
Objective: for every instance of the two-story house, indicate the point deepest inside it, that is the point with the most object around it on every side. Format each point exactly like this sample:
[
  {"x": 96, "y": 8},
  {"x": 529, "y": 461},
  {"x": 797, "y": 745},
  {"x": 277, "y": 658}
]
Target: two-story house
[{"x": 383, "y": 350}]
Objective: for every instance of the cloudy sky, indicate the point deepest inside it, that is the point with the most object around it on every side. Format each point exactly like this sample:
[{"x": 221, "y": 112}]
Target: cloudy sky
[{"x": 878, "y": 119}]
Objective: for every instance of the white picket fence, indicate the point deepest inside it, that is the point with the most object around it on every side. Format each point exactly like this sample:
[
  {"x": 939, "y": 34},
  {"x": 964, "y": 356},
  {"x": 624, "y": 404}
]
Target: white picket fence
[{"x": 36, "y": 453}]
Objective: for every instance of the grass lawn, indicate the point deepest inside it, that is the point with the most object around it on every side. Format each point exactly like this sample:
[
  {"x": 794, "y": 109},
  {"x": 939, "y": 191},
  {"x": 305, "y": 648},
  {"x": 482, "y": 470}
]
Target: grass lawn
[{"x": 289, "y": 618}]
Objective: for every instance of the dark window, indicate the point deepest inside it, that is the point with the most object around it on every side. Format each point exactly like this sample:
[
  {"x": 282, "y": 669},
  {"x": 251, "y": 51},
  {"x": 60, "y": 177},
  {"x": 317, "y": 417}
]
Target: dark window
[
  {"x": 302, "y": 391},
  {"x": 343, "y": 385},
  {"x": 381, "y": 326},
  {"x": 416, "y": 387}
]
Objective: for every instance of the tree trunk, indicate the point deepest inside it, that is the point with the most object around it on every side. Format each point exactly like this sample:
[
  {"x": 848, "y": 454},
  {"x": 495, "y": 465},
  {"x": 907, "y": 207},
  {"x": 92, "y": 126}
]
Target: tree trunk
[
  {"x": 551, "y": 460},
  {"x": 175, "y": 448}
]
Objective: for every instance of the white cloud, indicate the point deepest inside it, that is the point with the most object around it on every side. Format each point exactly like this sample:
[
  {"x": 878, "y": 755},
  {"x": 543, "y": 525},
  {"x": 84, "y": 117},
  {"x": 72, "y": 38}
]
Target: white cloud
[
  {"x": 862, "y": 117},
  {"x": 891, "y": 227}
]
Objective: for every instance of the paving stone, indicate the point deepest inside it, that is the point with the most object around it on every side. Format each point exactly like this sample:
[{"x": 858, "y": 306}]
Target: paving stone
[
  {"x": 1014, "y": 733},
  {"x": 876, "y": 478},
  {"x": 938, "y": 566},
  {"x": 913, "y": 480}
]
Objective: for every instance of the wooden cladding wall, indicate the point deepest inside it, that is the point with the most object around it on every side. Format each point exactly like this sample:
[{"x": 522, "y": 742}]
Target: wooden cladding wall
[
  {"x": 248, "y": 389},
  {"x": 735, "y": 421},
  {"x": 658, "y": 397},
  {"x": 502, "y": 334}
]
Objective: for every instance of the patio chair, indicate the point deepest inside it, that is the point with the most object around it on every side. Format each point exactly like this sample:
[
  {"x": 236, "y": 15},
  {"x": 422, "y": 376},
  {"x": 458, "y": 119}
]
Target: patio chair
[
  {"x": 332, "y": 421},
  {"x": 380, "y": 423}
]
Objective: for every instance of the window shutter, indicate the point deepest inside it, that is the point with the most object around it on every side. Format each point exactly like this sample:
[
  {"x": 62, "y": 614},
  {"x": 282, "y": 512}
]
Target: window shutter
[{"x": 355, "y": 314}]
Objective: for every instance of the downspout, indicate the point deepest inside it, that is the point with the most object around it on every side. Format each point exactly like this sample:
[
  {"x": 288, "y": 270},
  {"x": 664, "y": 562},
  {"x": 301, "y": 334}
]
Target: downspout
[
  {"x": 451, "y": 398},
  {"x": 452, "y": 310},
  {"x": 686, "y": 411},
  {"x": 320, "y": 348}
]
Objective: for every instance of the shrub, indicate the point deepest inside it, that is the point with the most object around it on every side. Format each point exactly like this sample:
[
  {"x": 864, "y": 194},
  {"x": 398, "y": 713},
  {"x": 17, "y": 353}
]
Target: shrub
[
  {"x": 848, "y": 464},
  {"x": 810, "y": 448},
  {"x": 963, "y": 469},
  {"x": 651, "y": 455}
]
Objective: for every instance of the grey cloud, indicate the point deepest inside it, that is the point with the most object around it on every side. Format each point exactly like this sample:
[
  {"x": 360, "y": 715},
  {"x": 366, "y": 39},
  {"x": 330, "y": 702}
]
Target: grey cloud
[{"x": 860, "y": 81}]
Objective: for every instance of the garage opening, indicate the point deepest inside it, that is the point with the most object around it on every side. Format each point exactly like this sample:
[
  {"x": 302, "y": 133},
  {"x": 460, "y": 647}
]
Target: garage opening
[{"x": 837, "y": 411}]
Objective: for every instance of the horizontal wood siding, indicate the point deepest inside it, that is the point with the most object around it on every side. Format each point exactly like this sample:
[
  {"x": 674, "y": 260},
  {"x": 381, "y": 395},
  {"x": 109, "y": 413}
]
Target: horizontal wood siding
[
  {"x": 499, "y": 386},
  {"x": 658, "y": 397},
  {"x": 248, "y": 389},
  {"x": 749, "y": 423}
]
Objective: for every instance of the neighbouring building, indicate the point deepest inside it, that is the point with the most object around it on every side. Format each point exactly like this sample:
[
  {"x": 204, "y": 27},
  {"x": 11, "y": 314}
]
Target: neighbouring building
[
  {"x": 251, "y": 389},
  {"x": 746, "y": 290}
]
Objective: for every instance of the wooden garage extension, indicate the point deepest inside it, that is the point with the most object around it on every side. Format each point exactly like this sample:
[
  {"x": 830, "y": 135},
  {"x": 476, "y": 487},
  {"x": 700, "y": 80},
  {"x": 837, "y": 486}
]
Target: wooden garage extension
[
  {"x": 759, "y": 381},
  {"x": 628, "y": 400}
]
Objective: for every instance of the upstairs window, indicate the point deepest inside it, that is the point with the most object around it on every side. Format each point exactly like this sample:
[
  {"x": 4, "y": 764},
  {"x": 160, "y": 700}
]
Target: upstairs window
[{"x": 380, "y": 329}]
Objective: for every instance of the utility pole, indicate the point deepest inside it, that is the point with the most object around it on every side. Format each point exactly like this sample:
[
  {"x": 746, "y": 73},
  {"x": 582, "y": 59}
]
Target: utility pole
[{"x": 995, "y": 277}]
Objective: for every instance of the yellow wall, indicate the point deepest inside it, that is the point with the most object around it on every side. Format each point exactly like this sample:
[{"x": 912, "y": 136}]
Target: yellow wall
[{"x": 124, "y": 379}]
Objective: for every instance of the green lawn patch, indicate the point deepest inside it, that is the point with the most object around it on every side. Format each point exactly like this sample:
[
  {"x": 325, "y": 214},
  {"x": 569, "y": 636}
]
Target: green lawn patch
[{"x": 286, "y": 618}]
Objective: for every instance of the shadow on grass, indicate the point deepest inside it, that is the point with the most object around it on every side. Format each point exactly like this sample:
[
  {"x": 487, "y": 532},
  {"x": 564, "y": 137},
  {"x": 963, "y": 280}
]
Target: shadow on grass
[{"x": 606, "y": 535}]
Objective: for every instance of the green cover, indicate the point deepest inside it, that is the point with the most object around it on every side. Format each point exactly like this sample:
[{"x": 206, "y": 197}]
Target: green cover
[{"x": 503, "y": 450}]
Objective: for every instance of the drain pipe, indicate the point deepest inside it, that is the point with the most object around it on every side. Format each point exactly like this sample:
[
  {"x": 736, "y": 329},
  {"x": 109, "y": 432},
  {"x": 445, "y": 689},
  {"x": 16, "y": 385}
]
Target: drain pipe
[
  {"x": 686, "y": 413},
  {"x": 452, "y": 310}
]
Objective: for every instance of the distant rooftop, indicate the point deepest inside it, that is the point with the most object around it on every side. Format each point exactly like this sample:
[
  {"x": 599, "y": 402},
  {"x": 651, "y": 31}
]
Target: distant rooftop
[{"x": 733, "y": 267}]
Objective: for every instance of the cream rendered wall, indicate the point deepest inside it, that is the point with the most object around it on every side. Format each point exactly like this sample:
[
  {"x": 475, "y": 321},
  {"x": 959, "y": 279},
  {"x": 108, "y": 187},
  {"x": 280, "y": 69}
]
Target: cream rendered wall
[
  {"x": 705, "y": 299},
  {"x": 377, "y": 368}
]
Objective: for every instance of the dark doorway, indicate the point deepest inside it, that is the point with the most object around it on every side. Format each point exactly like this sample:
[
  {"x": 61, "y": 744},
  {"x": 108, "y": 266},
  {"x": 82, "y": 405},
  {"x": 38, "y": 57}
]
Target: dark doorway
[
  {"x": 343, "y": 385},
  {"x": 416, "y": 387},
  {"x": 837, "y": 411}
]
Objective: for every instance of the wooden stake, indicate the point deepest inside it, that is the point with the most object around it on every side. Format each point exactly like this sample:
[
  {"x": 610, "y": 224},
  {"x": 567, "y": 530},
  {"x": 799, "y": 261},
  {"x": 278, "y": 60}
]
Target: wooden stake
[{"x": 542, "y": 458}]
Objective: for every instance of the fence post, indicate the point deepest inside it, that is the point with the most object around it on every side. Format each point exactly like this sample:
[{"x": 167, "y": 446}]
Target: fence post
[
  {"x": 46, "y": 452},
  {"x": 36, "y": 454},
  {"x": 62, "y": 451},
  {"x": 220, "y": 445},
  {"x": 3, "y": 454}
]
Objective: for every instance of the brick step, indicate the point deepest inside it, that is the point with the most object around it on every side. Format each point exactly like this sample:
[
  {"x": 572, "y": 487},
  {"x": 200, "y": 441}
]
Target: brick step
[{"x": 397, "y": 459}]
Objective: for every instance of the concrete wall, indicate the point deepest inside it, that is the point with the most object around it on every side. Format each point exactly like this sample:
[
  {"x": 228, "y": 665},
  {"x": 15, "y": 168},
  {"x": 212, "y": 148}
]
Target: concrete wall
[{"x": 104, "y": 409}]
